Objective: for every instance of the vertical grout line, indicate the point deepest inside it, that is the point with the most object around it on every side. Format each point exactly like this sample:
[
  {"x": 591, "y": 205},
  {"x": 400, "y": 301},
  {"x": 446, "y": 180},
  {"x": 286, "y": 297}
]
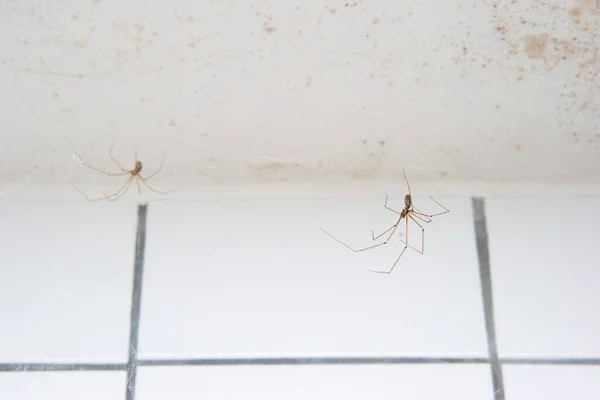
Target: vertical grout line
[
  {"x": 134, "y": 327},
  {"x": 483, "y": 253}
]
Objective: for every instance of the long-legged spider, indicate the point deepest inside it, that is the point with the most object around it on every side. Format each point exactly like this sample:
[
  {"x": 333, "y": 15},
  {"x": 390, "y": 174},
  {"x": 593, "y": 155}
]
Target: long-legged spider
[
  {"x": 409, "y": 211},
  {"x": 134, "y": 175}
]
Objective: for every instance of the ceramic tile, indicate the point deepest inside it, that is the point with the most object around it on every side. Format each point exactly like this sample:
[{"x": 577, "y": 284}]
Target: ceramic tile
[
  {"x": 545, "y": 276},
  {"x": 71, "y": 385},
  {"x": 247, "y": 278},
  {"x": 423, "y": 382},
  {"x": 66, "y": 281},
  {"x": 551, "y": 382}
]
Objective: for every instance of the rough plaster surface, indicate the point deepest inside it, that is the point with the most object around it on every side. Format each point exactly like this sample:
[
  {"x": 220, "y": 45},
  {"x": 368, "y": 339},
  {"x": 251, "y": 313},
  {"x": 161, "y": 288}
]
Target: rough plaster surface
[{"x": 256, "y": 94}]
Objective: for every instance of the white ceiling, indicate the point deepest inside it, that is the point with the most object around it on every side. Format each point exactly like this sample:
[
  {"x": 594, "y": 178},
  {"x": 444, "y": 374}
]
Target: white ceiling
[{"x": 253, "y": 94}]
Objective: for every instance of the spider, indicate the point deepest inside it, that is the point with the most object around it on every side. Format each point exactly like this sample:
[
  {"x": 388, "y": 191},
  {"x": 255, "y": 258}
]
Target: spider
[
  {"x": 409, "y": 211},
  {"x": 134, "y": 174}
]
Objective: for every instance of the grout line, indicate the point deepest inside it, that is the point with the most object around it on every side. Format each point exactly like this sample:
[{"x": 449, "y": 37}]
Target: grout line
[
  {"x": 181, "y": 362},
  {"x": 314, "y": 361},
  {"x": 134, "y": 327},
  {"x": 483, "y": 253},
  {"x": 54, "y": 367},
  {"x": 551, "y": 361}
]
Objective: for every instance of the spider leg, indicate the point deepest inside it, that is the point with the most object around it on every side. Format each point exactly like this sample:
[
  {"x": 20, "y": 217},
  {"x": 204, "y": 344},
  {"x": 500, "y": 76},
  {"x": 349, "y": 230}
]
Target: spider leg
[
  {"x": 158, "y": 170},
  {"x": 386, "y": 206},
  {"x": 122, "y": 190},
  {"x": 366, "y": 248},
  {"x": 406, "y": 180},
  {"x": 105, "y": 197},
  {"x": 422, "y": 237},
  {"x": 446, "y": 211},
  {"x": 94, "y": 168},
  {"x": 422, "y": 217},
  {"x": 397, "y": 259},
  {"x": 110, "y": 154},
  {"x": 386, "y": 231},
  {"x": 151, "y": 188},
  {"x": 88, "y": 198},
  {"x": 349, "y": 247},
  {"x": 137, "y": 182}
]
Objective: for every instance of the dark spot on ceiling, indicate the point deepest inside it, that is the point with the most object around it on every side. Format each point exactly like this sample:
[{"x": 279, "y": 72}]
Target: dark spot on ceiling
[
  {"x": 536, "y": 45},
  {"x": 576, "y": 13},
  {"x": 269, "y": 29}
]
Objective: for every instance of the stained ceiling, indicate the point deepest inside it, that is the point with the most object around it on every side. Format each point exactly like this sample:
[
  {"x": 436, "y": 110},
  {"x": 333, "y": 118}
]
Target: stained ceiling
[{"x": 251, "y": 96}]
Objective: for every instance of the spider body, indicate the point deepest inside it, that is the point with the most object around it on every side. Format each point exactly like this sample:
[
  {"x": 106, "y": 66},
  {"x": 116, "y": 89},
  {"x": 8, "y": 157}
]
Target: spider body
[
  {"x": 408, "y": 212},
  {"x": 134, "y": 175}
]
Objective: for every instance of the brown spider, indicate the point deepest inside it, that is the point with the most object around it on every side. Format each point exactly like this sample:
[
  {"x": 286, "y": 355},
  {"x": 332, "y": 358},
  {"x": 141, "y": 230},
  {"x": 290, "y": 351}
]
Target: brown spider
[
  {"x": 134, "y": 174},
  {"x": 409, "y": 211}
]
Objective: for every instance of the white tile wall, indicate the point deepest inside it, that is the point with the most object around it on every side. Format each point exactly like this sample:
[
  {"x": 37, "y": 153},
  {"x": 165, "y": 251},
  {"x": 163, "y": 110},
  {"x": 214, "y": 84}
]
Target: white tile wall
[
  {"x": 451, "y": 382},
  {"x": 257, "y": 278},
  {"x": 546, "y": 276},
  {"x": 552, "y": 382},
  {"x": 65, "y": 287},
  {"x": 71, "y": 385}
]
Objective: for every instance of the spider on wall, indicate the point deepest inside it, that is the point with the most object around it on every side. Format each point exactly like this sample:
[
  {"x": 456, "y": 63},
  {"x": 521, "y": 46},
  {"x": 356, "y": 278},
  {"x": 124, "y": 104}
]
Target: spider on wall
[
  {"x": 134, "y": 175},
  {"x": 408, "y": 212}
]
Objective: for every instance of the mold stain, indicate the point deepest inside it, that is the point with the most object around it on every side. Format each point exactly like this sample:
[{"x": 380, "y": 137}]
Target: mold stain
[
  {"x": 576, "y": 13},
  {"x": 572, "y": 34},
  {"x": 81, "y": 43},
  {"x": 536, "y": 45},
  {"x": 269, "y": 29},
  {"x": 332, "y": 11},
  {"x": 375, "y": 21},
  {"x": 591, "y": 61}
]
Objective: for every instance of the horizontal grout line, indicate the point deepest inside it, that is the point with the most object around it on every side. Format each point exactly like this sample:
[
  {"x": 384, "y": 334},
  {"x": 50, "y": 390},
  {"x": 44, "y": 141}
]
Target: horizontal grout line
[
  {"x": 48, "y": 367},
  {"x": 551, "y": 361},
  {"x": 53, "y": 367},
  {"x": 313, "y": 361}
]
